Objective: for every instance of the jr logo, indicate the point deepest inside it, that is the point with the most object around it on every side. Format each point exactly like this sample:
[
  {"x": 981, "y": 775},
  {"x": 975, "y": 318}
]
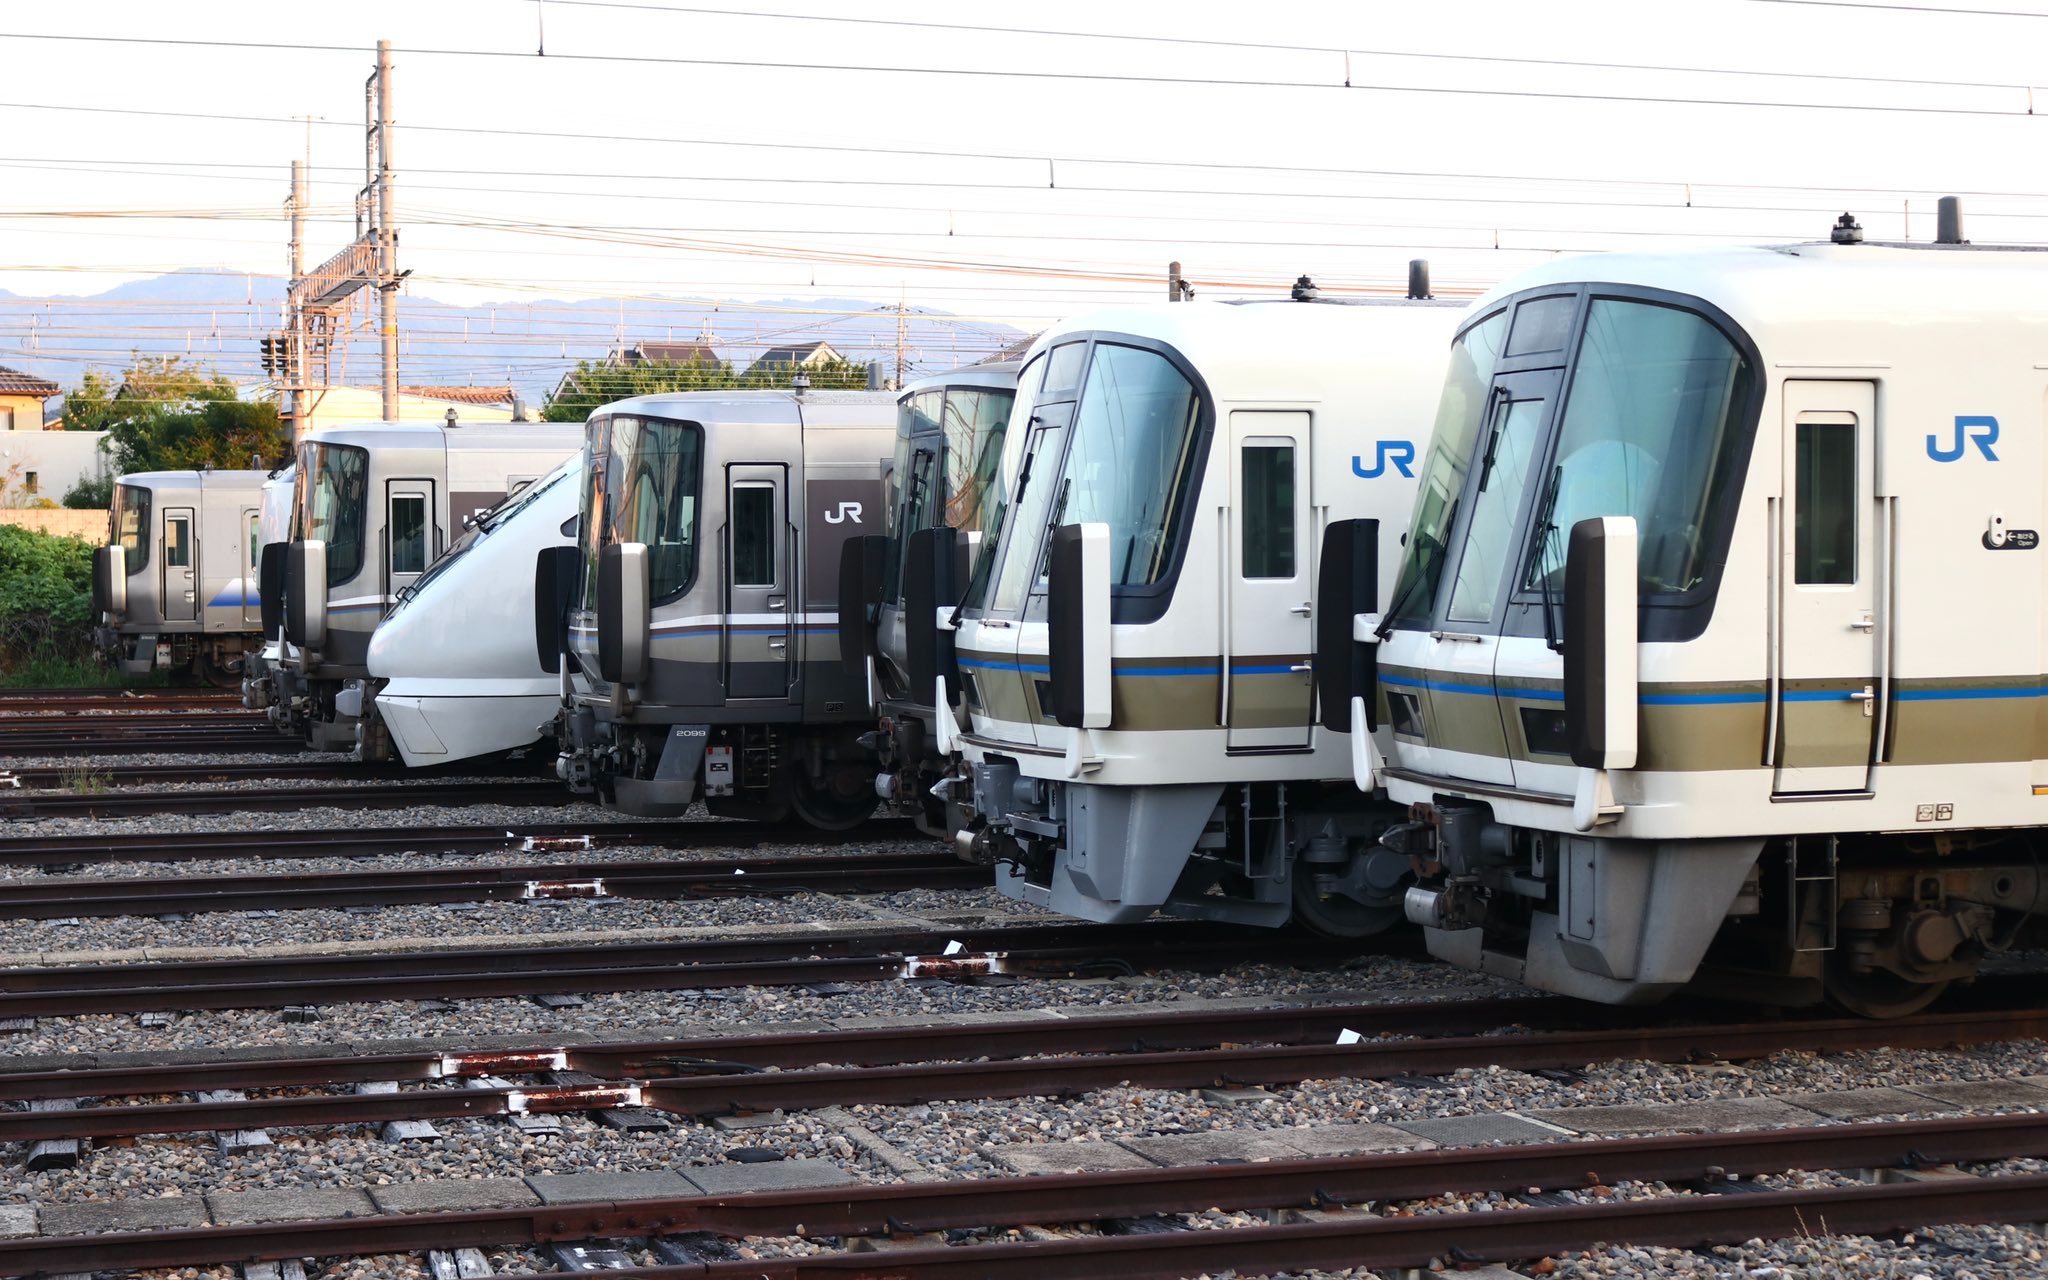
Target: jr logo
[
  {"x": 1398, "y": 452},
  {"x": 847, "y": 511},
  {"x": 1982, "y": 432}
]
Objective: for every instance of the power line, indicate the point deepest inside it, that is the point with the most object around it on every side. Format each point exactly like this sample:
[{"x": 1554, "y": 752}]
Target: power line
[
  {"x": 1095, "y": 77},
  {"x": 1887, "y": 8}
]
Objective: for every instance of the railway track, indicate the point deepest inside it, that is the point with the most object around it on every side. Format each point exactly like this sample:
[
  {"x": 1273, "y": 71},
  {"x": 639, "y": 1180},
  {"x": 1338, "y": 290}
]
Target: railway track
[
  {"x": 136, "y": 735},
  {"x": 321, "y": 766},
  {"x": 532, "y": 789},
  {"x": 55, "y": 899},
  {"x": 370, "y": 842},
  {"x": 1705, "y": 1162},
  {"x": 811, "y": 957},
  {"x": 53, "y": 700}
]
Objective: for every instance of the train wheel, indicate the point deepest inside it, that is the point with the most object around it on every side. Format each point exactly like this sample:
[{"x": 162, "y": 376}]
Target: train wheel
[
  {"x": 216, "y": 674},
  {"x": 1332, "y": 915},
  {"x": 1879, "y": 993},
  {"x": 822, "y": 806}
]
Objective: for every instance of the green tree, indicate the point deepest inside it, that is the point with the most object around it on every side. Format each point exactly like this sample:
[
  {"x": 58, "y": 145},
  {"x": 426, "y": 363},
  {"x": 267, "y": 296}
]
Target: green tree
[
  {"x": 169, "y": 414},
  {"x": 834, "y": 374},
  {"x": 45, "y": 594},
  {"x": 593, "y": 383}
]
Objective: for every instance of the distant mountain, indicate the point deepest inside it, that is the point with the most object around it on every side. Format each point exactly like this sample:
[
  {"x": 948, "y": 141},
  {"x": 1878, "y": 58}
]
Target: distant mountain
[{"x": 217, "y": 318}]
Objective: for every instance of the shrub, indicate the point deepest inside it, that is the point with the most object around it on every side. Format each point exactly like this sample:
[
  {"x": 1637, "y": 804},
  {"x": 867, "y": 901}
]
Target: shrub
[{"x": 45, "y": 596}]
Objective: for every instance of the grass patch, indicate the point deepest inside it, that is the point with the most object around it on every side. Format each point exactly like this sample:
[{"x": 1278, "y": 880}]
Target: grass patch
[
  {"x": 87, "y": 780},
  {"x": 47, "y": 670}
]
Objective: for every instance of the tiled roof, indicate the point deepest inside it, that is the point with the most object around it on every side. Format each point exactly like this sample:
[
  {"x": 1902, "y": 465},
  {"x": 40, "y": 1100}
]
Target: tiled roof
[
  {"x": 796, "y": 353},
  {"x": 15, "y": 382},
  {"x": 671, "y": 353},
  {"x": 464, "y": 395}
]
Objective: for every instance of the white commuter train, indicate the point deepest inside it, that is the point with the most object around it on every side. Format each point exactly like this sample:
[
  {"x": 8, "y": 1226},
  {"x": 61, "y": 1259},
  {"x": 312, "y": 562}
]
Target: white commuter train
[
  {"x": 176, "y": 583},
  {"x": 453, "y": 668},
  {"x": 1132, "y": 653},
  {"x": 1719, "y": 642},
  {"x": 375, "y": 504}
]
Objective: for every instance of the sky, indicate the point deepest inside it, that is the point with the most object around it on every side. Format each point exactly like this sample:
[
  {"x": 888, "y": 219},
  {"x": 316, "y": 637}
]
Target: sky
[{"x": 758, "y": 150}]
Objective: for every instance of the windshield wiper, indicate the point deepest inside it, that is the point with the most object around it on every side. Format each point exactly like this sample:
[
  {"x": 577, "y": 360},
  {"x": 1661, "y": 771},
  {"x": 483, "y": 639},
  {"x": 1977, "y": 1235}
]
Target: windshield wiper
[
  {"x": 1424, "y": 571},
  {"x": 1493, "y": 433},
  {"x": 1546, "y": 534}
]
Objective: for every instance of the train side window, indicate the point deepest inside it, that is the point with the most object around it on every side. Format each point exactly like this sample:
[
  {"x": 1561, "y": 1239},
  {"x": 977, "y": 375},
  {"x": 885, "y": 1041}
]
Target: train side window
[
  {"x": 178, "y": 543},
  {"x": 1824, "y": 504},
  {"x": 408, "y": 533},
  {"x": 1268, "y": 516},
  {"x": 753, "y": 535},
  {"x": 255, "y": 532}
]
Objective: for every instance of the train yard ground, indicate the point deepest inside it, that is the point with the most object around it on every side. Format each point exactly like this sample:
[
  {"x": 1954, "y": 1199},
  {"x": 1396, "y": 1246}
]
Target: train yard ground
[{"x": 483, "y": 1027}]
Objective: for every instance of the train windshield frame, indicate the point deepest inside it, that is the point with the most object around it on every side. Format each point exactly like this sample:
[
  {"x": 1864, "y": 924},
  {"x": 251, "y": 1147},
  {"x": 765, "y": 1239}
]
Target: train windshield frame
[
  {"x": 1652, "y": 414},
  {"x": 334, "y": 504},
  {"x": 130, "y": 520},
  {"x": 645, "y": 484}
]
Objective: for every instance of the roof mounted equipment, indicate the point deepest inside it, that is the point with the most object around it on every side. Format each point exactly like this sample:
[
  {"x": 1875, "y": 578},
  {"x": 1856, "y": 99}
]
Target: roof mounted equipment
[
  {"x": 1418, "y": 278},
  {"x": 1847, "y": 230},
  {"x": 1305, "y": 290},
  {"x": 1948, "y": 221}
]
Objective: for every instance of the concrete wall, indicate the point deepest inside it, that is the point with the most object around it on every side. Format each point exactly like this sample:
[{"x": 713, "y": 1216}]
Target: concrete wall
[
  {"x": 57, "y": 459},
  {"x": 87, "y": 524}
]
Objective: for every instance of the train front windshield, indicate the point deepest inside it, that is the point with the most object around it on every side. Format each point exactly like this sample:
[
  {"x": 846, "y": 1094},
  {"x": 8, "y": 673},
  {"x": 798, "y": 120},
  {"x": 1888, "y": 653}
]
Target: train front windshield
[
  {"x": 131, "y": 526},
  {"x": 1656, "y": 420},
  {"x": 644, "y": 486},
  {"x": 949, "y": 447},
  {"x": 334, "y": 504}
]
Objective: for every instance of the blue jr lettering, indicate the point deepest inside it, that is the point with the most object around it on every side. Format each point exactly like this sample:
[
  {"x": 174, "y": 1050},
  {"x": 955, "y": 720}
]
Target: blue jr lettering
[
  {"x": 1401, "y": 453},
  {"x": 1980, "y": 431}
]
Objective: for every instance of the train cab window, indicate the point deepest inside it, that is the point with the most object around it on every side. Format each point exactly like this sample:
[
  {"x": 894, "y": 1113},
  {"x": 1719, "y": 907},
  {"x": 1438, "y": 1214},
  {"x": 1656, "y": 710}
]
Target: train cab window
[
  {"x": 753, "y": 535},
  {"x": 178, "y": 543},
  {"x": 131, "y": 525},
  {"x": 1268, "y": 515},
  {"x": 408, "y": 533},
  {"x": 1542, "y": 324},
  {"x": 1130, "y": 465},
  {"x": 1649, "y": 432},
  {"x": 1508, "y": 447},
  {"x": 643, "y": 488},
  {"x": 1824, "y": 504},
  {"x": 975, "y": 422},
  {"x": 1063, "y": 371}
]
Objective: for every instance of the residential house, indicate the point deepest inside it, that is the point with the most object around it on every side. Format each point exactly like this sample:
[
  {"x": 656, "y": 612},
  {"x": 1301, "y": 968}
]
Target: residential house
[{"x": 807, "y": 355}]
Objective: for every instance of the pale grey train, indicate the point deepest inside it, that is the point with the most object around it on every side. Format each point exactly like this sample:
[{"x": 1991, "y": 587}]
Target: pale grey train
[
  {"x": 375, "y": 505},
  {"x": 702, "y": 605},
  {"x": 176, "y": 585}
]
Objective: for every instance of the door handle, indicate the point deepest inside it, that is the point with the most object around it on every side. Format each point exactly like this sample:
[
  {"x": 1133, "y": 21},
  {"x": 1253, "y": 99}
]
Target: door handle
[
  {"x": 778, "y": 644},
  {"x": 1867, "y": 624},
  {"x": 1303, "y": 667},
  {"x": 776, "y": 602},
  {"x": 1868, "y": 697},
  {"x": 1305, "y": 608}
]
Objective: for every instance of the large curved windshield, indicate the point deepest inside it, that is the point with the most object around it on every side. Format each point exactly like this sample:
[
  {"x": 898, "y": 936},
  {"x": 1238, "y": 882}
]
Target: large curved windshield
[
  {"x": 335, "y": 498},
  {"x": 131, "y": 526},
  {"x": 1128, "y": 468},
  {"x": 1458, "y": 413},
  {"x": 907, "y": 497},
  {"x": 975, "y": 422},
  {"x": 643, "y": 486},
  {"x": 1646, "y": 433}
]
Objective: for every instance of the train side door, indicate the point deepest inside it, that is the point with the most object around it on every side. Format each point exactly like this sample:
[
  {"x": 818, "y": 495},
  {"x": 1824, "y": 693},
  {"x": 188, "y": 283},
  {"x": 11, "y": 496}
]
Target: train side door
[
  {"x": 181, "y": 565},
  {"x": 1828, "y": 704},
  {"x": 408, "y": 533},
  {"x": 1267, "y": 693},
  {"x": 247, "y": 571},
  {"x": 759, "y": 622}
]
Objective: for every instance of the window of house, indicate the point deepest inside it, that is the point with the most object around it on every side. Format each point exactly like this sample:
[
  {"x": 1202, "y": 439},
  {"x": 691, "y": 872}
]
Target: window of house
[{"x": 32, "y": 482}]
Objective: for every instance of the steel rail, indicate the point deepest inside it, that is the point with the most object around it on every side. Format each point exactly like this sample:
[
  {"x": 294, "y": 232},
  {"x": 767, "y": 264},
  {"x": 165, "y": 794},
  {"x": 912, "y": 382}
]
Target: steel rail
[
  {"x": 210, "y": 742},
  {"x": 734, "y": 1084},
  {"x": 1163, "y": 1027},
  {"x": 360, "y": 842},
  {"x": 59, "y": 991},
  {"x": 1321, "y": 1183},
  {"x": 322, "y": 766},
  {"x": 536, "y": 791},
  {"x": 144, "y": 720},
  {"x": 57, "y": 899},
  {"x": 41, "y": 701}
]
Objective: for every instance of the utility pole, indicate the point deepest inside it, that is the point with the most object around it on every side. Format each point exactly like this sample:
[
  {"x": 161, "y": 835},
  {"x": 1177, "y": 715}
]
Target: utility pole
[
  {"x": 902, "y": 338},
  {"x": 319, "y": 303},
  {"x": 388, "y": 276},
  {"x": 296, "y": 408},
  {"x": 1177, "y": 287}
]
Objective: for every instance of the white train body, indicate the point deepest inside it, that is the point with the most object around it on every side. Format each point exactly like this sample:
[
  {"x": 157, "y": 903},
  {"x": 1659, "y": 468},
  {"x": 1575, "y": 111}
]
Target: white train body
[
  {"x": 1133, "y": 648},
  {"x": 175, "y": 585},
  {"x": 375, "y": 505},
  {"x": 1779, "y": 508},
  {"x": 453, "y": 668}
]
